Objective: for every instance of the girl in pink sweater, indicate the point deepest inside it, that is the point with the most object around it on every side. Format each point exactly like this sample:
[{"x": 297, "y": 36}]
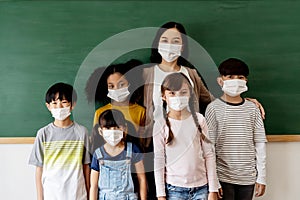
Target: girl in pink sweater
[{"x": 184, "y": 160}]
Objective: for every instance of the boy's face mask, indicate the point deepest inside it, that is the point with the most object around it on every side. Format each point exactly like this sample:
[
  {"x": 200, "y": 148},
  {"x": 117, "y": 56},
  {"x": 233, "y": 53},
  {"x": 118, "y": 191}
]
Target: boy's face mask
[
  {"x": 61, "y": 113},
  {"x": 112, "y": 137},
  {"x": 118, "y": 95},
  {"x": 169, "y": 52},
  {"x": 234, "y": 87}
]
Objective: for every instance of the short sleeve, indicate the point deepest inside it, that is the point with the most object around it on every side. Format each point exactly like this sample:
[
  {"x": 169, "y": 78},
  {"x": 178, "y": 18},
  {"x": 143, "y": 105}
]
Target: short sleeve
[
  {"x": 37, "y": 154},
  {"x": 211, "y": 123},
  {"x": 259, "y": 129},
  {"x": 87, "y": 154},
  {"x": 95, "y": 163},
  {"x": 137, "y": 154}
]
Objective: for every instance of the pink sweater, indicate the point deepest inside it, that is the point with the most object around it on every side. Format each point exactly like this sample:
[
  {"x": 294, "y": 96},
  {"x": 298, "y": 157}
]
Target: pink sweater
[{"x": 187, "y": 161}]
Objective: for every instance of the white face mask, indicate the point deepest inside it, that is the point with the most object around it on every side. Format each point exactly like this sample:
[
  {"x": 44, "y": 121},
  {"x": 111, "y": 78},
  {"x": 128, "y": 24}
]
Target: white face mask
[
  {"x": 234, "y": 87},
  {"x": 169, "y": 52},
  {"x": 118, "y": 95},
  {"x": 61, "y": 113},
  {"x": 112, "y": 137},
  {"x": 178, "y": 103}
]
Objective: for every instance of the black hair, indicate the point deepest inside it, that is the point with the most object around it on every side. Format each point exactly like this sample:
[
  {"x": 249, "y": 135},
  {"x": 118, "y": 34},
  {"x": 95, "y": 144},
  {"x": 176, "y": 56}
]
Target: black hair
[
  {"x": 173, "y": 82},
  {"x": 233, "y": 66},
  {"x": 111, "y": 118},
  {"x": 156, "y": 57},
  {"x": 96, "y": 87},
  {"x": 182, "y": 60},
  {"x": 64, "y": 91}
]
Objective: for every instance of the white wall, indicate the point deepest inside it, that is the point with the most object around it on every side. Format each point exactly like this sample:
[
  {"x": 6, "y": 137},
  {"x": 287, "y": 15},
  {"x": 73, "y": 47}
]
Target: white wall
[{"x": 17, "y": 177}]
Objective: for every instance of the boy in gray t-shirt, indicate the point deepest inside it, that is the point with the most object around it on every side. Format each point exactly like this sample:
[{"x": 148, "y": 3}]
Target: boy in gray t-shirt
[{"x": 60, "y": 151}]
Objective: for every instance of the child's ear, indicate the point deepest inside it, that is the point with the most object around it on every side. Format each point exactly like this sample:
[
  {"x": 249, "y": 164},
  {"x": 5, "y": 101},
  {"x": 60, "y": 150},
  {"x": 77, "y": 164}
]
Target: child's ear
[
  {"x": 163, "y": 97},
  {"x": 48, "y": 106},
  {"x": 100, "y": 131},
  {"x": 73, "y": 106},
  {"x": 220, "y": 81}
]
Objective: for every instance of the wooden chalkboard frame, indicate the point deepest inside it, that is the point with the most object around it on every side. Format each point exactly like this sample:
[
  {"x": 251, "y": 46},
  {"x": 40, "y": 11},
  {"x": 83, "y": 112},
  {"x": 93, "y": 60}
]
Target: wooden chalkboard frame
[
  {"x": 30, "y": 140},
  {"x": 272, "y": 38}
]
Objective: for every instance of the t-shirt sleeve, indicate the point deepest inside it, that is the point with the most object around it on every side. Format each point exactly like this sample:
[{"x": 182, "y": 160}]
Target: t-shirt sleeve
[
  {"x": 211, "y": 123},
  {"x": 87, "y": 154},
  {"x": 37, "y": 154},
  {"x": 137, "y": 154},
  {"x": 259, "y": 129},
  {"x": 95, "y": 163}
]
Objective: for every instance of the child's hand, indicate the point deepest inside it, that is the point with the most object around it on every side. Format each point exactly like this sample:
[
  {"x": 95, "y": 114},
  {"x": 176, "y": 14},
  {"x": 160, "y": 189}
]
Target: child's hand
[
  {"x": 213, "y": 196},
  {"x": 259, "y": 189},
  {"x": 220, "y": 193}
]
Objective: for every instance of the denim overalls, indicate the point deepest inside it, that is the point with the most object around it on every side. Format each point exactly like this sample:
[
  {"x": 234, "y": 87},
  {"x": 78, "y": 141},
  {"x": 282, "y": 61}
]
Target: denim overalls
[{"x": 115, "y": 180}]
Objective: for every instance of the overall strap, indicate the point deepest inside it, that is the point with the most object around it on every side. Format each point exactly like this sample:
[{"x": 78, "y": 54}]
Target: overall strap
[
  {"x": 98, "y": 154},
  {"x": 129, "y": 150}
]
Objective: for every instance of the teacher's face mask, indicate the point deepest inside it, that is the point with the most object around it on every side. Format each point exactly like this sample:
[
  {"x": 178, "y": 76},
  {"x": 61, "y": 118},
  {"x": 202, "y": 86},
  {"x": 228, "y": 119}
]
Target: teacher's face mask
[{"x": 169, "y": 52}]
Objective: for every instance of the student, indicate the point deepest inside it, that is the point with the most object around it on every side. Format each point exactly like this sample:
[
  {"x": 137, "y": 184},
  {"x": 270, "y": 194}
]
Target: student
[
  {"x": 112, "y": 162},
  {"x": 184, "y": 160},
  {"x": 118, "y": 87},
  {"x": 237, "y": 131},
  {"x": 60, "y": 151}
]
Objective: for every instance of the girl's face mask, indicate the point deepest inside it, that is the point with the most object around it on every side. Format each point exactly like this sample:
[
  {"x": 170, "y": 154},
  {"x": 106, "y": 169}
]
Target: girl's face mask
[
  {"x": 178, "y": 103},
  {"x": 118, "y": 95},
  {"x": 112, "y": 137}
]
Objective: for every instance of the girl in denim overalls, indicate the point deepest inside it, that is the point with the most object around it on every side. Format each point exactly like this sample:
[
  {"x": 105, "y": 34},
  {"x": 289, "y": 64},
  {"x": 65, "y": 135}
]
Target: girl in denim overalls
[{"x": 111, "y": 165}]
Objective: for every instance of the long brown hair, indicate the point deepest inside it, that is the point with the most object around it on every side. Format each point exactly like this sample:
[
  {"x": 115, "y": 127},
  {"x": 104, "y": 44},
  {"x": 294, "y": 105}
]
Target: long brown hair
[{"x": 174, "y": 82}]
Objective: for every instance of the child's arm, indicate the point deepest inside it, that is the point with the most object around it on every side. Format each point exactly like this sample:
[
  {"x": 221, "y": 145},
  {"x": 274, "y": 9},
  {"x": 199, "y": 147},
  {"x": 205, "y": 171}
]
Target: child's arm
[
  {"x": 140, "y": 170},
  {"x": 260, "y": 185},
  {"x": 38, "y": 180},
  {"x": 86, "y": 173},
  {"x": 94, "y": 185}
]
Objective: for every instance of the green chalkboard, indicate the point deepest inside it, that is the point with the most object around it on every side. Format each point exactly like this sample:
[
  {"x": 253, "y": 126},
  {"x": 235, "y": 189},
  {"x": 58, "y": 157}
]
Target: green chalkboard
[{"x": 43, "y": 42}]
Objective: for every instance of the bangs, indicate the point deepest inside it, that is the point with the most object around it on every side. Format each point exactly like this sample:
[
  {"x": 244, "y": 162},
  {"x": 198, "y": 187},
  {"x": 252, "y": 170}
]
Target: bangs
[
  {"x": 111, "y": 118},
  {"x": 174, "y": 82}
]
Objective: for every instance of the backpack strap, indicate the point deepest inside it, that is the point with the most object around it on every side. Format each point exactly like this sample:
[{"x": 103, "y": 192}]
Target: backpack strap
[
  {"x": 98, "y": 154},
  {"x": 129, "y": 150}
]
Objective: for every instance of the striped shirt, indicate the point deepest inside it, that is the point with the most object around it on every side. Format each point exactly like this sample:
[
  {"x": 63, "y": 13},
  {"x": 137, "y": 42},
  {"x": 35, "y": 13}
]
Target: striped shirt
[
  {"x": 235, "y": 129},
  {"x": 62, "y": 152}
]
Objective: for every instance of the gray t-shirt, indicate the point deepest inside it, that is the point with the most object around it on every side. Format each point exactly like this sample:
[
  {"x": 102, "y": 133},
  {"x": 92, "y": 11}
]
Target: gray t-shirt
[{"x": 62, "y": 152}]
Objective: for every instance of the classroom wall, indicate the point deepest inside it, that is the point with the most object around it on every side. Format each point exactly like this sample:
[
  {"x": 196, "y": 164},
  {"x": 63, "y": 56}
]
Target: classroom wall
[{"x": 17, "y": 177}]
